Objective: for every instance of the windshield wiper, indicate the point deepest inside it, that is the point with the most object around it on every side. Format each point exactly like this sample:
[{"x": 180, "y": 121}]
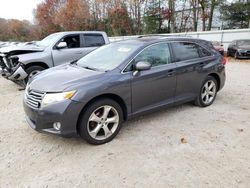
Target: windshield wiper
[
  {"x": 74, "y": 62},
  {"x": 91, "y": 68}
]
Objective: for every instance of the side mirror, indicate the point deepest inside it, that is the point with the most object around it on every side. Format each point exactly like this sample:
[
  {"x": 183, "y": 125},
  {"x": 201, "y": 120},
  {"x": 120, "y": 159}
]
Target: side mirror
[
  {"x": 61, "y": 45},
  {"x": 142, "y": 65}
]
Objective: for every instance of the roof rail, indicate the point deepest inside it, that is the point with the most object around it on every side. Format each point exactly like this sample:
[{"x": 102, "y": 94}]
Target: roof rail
[{"x": 163, "y": 36}]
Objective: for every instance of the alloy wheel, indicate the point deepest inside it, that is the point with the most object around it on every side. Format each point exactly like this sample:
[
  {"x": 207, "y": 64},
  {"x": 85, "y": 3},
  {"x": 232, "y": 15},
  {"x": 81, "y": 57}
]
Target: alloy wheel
[
  {"x": 103, "y": 122},
  {"x": 208, "y": 92}
]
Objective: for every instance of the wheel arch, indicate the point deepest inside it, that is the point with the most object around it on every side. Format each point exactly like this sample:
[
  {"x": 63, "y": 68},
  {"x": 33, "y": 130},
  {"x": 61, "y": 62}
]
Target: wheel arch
[
  {"x": 41, "y": 64},
  {"x": 217, "y": 78},
  {"x": 114, "y": 97}
]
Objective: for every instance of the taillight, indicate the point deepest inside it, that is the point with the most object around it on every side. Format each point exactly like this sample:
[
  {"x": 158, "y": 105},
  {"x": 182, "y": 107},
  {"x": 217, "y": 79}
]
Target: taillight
[{"x": 224, "y": 60}]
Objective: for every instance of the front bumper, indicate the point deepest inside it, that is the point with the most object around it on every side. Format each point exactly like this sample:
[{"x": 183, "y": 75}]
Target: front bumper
[
  {"x": 65, "y": 112},
  {"x": 243, "y": 54},
  {"x": 243, "y": 57},
  {"x": 16, "y": 74}
]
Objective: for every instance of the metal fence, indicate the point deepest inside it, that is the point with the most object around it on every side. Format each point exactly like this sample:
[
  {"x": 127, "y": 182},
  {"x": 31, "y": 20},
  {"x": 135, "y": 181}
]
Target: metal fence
[{"x": 223, "y": 36}]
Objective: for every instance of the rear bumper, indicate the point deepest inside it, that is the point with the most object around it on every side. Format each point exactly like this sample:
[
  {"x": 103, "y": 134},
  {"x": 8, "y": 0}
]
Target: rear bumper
[
  {"x": 222, "y": 72},
  {"x": 65, "y": 112}
]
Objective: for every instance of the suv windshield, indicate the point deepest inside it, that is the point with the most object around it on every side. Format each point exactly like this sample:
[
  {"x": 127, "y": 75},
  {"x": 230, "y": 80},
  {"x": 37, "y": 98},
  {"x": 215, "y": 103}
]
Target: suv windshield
[
  {"x": 108, "y": 57},
  {"x": 47, "y": 41}
]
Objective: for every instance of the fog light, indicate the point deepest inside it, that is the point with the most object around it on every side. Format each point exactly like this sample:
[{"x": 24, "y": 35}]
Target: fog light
[{"x": 57, "y": 126}]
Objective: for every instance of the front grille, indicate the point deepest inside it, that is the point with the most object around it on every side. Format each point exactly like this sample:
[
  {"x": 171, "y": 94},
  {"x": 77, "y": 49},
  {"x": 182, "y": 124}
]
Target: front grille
[{"x": 34, "y": 98}]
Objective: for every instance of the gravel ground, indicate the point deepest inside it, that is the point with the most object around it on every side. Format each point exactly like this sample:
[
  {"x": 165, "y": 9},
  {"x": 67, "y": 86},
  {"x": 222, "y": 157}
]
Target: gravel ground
[{"x": 184, "y": 146}]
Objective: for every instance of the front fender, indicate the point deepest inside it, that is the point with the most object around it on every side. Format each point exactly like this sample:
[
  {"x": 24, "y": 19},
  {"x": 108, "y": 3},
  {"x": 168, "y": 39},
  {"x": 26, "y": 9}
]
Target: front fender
[{"x": 36, "y": 57}]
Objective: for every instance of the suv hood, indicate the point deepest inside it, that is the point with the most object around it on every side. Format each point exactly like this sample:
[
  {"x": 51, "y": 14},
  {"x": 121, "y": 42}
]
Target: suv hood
[
  {"x": 245, "y": 47},
  {"x": 17, "y": 50},
  {"x": 60, "y": 78}
]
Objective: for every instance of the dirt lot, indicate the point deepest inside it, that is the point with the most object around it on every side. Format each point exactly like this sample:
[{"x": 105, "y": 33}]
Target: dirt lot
[{"x": 148, "y": 152}]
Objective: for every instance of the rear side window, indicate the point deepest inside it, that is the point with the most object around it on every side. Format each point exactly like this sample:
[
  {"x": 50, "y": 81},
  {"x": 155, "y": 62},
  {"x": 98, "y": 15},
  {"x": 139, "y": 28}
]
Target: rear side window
[
  {"x": 203, "y": 52},
  {"x": 93, "y": 40},
  {"x": 185, "y": 51}
]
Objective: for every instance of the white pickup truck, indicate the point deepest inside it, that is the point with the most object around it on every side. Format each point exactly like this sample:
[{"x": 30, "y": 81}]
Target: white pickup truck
[{"x": 19, "y": 63}]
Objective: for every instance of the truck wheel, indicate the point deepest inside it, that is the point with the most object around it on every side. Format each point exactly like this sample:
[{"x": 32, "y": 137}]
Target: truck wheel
[
  {"x": 236, "y": 55},
  {"x": 32, "y": 71}
]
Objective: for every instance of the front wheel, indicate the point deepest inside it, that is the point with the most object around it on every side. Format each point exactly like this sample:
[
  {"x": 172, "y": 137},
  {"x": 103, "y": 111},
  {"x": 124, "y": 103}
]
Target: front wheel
[
  {"x": 32, "y": 71},
  {"x": 208, "y": 92},
  {"x": 101, "y": 121},
  {"x": 236, "y": 55}
]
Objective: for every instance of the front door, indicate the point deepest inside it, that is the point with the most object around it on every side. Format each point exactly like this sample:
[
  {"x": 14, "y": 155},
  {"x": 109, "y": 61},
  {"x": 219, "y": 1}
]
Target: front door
[
  {"x": 155, "y": 87},
  {"x": 73, "y": 51}
]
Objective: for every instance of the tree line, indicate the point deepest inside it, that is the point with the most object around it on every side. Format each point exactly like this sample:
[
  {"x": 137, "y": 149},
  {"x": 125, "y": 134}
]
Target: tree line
[{"x": 128, "y": 17}]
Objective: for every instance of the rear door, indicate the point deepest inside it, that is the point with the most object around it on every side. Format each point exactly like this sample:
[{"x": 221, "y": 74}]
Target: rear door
[
  {"x": 190, "y": 59},
  {"x": 155, "y": 87},
  {"x": 72, "y": 52}
]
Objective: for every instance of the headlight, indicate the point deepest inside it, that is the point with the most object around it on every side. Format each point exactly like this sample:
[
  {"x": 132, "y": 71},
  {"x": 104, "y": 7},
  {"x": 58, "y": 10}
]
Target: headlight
[{"x": 56, "y": 97}]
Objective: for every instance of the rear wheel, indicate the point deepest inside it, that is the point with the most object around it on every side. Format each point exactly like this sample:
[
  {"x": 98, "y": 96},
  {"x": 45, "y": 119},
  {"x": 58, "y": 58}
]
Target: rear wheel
[
  {"x": 101, "y": 121},
  {"x": 208, "y": 92},
  {"x": 32, "y": 71}
]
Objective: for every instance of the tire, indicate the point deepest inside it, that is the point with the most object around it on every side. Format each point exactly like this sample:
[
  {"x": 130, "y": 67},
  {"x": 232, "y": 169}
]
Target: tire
[
  {"x": 31, "y": 70},
  {"x": 93, "y": 123},
  {"x": 207, "y": 96},
  {"x": 236, "y": 55}
]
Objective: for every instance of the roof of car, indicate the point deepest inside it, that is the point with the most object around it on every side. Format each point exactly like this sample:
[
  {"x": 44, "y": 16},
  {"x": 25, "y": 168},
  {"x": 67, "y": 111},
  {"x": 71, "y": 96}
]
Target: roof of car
[
  {"x": 153, "y": 39},
  {"x": 74, "y": 32}
]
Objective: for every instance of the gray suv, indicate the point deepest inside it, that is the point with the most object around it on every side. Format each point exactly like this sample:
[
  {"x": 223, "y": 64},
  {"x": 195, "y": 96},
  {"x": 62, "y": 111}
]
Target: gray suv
[
  {"x": 93, "y": 96},
  {"x": 18, "y": 63}
]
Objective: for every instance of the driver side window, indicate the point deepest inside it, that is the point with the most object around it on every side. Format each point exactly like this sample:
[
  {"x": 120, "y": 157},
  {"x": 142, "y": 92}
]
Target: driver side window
[
  {"x": 73, "y": 41},
  {"x": 157, "y": 55}
]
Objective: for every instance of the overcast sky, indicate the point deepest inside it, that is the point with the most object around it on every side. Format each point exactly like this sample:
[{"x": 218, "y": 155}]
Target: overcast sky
[{"x": 18, "y": 9}]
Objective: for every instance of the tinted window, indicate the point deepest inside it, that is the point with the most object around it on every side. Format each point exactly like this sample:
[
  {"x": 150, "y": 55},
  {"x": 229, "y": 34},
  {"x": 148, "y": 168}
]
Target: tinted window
[
  {"x": 92, "y": 40},
  {"x": 203, "y": 52},
  {"x": 156, "y": 55},
  {"x": 185, "y": 51},
  {"x": 73, "y": 41}
]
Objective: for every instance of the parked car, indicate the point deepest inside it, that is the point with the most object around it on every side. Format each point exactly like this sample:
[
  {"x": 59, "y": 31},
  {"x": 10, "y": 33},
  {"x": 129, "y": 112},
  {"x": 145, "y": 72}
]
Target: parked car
[
  {"x": 94, "y": 95},
  {"x": 218, "y": 46},
  {"x": 22, "y": 62},
  {"x": 239, "y": 49}
]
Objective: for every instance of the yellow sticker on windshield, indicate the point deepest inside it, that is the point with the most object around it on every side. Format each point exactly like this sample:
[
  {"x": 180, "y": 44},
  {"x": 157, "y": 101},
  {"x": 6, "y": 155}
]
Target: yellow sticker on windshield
[{"x": 122, "y": 49}]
